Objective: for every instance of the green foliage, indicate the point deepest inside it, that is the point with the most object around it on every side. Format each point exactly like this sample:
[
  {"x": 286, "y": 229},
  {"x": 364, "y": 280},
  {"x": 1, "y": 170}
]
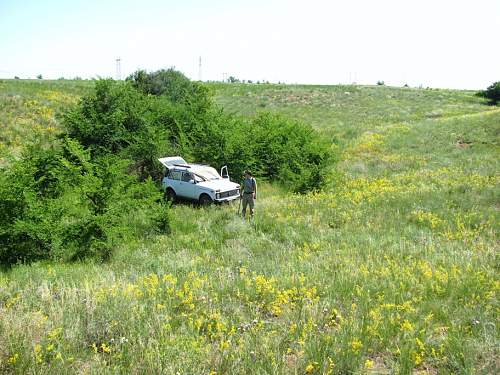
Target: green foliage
[
  {"x": 59, "y": 204},
  {"x": 272, "y": 146},
  {"x": 117, "y": 119},
  {"x": 288, "y": 151},
  {"x": 107, "y": 119},
  {"x": 492, "y": 93},
  {"x": 80, "y": 195},
  {"x": 163, "y": 113},
  {"x": 174, "y": 85}
]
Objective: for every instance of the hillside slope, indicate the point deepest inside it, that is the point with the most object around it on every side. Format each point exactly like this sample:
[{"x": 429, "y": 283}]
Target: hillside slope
[{"x": 393, "y": 268}]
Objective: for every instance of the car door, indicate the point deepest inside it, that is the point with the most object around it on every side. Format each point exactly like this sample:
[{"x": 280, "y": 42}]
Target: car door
[
  {"x": 187, "y": 185},
  {"x": 224, "y": 172},
  {"x": 173, "y": 181}
]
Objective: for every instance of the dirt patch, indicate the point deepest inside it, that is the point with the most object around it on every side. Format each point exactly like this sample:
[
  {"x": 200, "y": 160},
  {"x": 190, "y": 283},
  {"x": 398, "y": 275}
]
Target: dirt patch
[{"x": 463, "y": 144}]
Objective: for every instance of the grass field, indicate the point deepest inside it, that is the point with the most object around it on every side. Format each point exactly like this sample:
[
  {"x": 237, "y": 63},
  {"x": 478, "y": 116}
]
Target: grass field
[{"x": 393, "y": 268}]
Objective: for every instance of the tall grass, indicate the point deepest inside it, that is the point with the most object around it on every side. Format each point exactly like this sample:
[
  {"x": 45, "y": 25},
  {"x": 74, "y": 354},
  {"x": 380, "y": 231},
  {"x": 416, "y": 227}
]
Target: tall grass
[{"x": 392, "y": 269}]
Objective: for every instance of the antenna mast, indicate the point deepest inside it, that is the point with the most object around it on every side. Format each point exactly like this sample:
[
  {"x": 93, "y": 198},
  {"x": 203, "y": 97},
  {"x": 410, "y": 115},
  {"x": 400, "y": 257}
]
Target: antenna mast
[
  {"x": 118, "y": 69},
  {"x": 199, "y": 70}
]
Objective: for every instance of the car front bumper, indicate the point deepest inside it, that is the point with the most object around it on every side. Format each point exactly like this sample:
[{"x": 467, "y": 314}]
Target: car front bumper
[{"x": 227, "y": 196}]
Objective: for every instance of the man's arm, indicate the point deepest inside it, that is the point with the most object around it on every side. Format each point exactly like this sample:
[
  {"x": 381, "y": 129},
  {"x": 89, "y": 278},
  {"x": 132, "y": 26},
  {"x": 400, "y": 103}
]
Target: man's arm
[{"x": 254, "y": 189}]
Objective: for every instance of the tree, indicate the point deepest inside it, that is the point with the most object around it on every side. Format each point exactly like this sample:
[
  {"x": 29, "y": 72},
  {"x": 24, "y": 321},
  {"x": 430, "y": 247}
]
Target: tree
[
  {"x": 170, "y": 83},
  {"x": 39, "y": 76},
  {"x": 117, "y": 119},
  {"x": 492, "y": 93}
]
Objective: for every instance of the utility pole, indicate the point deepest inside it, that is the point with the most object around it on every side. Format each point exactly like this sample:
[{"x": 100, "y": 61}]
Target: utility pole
[
  {"x": 118, "y": 69},
  {"x": 199, "y": 70}
]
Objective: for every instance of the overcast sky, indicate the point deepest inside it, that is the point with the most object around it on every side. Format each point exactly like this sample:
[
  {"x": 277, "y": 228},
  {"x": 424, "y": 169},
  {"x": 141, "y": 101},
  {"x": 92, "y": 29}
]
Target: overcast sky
[{"x": 436, "y": 43}]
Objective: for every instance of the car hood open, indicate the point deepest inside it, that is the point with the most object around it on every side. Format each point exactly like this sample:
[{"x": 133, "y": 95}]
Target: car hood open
[{"x": 172, "y": 161}]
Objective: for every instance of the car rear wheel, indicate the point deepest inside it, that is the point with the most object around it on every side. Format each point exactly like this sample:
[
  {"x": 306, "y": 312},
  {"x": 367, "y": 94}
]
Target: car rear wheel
[
  {"x": 170, "y": 195},
  {"x": 205, "y": 200}
]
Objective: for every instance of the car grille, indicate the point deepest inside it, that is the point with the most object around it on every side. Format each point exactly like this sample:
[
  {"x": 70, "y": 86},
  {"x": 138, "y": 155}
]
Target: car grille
[{"x": 229, "y": 193}]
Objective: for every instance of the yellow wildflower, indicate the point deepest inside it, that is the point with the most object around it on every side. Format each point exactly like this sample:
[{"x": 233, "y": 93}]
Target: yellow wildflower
[
  {"x": 105, "y": 348},
  {"x": 224, "y": 345},
  {"x": 310, "y": 368},
  {"x": 356, "y": 345},
  {"x": 417, "y": 357},
  {"x": 406, "y": 326},
  {"x": 13, "y": 359},
  {"x": 369, "y": 364}
]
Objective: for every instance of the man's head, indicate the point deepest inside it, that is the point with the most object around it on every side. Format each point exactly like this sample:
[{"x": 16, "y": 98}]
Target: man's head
[{"x": 248, "y": 174}]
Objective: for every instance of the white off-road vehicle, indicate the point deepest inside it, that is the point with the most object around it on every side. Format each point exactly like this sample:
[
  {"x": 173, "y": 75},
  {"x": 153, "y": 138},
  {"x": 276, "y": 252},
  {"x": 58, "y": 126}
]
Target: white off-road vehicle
[{"x": 197, "y": 182}]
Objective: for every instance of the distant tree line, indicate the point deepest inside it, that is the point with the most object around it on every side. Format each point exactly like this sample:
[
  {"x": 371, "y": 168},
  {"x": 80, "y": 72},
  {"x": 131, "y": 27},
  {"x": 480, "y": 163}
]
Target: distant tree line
[{"x": 492, "y": 93}]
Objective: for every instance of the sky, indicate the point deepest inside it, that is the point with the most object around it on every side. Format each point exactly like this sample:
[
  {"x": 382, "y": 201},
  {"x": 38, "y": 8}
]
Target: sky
[{"x": 433, "y": 43}]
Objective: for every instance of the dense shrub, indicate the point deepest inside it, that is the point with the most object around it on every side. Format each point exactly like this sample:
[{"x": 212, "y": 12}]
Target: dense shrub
[
  {"x": 163, "y": 113},
  {"x": 57, "y": 203},
  {"x": 492, "y": 93},
  {"x": 290, "y": 152}
]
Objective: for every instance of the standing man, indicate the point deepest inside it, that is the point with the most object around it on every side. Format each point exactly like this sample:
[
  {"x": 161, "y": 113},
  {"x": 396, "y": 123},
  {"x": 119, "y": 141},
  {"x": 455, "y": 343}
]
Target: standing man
[{"x": 248, "y": 193}]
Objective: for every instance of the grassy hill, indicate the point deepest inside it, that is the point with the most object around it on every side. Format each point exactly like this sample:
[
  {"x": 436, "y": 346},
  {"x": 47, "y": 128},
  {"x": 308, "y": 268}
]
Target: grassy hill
[{"x": 392, "y": 268}]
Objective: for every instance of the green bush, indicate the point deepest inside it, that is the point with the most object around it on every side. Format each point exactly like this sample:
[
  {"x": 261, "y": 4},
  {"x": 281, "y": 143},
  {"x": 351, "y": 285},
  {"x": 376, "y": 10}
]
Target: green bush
[
  {"x": 492, "y": 93},
  {"x": 275, "y": 147},
  {"x": 117, "y": 119},
  {"x": 272, "y": 146},
  {"x": 175, "y": 86},
  {"x": 59, "y": 204},
  {"x": 163, "y": 113},
  {"x": 289, "y": 151}
]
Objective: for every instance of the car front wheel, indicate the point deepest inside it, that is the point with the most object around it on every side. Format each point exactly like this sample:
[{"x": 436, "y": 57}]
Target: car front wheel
[{"x": 205, "y": 200}]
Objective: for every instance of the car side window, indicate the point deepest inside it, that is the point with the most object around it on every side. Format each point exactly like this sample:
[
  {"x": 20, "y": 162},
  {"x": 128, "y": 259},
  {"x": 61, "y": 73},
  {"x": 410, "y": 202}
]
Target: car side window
[
  {"x": 175, "y": 175},
  {"x": 186, "y": 177}
]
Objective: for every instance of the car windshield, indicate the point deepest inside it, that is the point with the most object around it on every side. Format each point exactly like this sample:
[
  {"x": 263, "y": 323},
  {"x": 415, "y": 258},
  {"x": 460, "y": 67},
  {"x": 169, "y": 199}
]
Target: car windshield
[{"x": 208, "y": 173}]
